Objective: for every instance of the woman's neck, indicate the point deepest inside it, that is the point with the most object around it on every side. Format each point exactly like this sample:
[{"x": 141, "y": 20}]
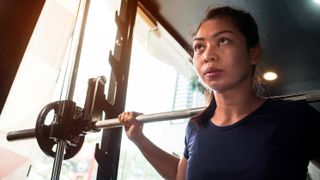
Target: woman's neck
[{"x": 232, "y": 106}]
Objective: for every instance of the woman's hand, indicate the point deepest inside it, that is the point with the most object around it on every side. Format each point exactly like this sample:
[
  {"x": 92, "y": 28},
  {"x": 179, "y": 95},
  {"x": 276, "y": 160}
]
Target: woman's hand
[{"x": 131, "y": 125}]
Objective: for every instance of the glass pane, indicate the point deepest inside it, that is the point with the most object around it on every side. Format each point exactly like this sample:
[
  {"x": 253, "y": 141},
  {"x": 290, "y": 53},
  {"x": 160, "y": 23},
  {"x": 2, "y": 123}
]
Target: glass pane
[
  {"x": 160, "y": 80},
  {"x": 39, "y": 81}
]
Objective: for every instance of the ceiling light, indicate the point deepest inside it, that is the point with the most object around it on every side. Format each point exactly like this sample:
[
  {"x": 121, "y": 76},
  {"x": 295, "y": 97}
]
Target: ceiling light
[{"x": 270, "y": 76}]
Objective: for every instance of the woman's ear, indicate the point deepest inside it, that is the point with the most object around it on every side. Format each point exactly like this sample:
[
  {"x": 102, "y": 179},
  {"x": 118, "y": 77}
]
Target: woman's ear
[{"x": 255, "y": 54}]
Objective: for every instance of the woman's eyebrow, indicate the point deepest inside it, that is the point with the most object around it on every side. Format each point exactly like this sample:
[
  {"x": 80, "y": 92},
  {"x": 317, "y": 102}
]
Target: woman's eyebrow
[{"x": 213, "y": 35}]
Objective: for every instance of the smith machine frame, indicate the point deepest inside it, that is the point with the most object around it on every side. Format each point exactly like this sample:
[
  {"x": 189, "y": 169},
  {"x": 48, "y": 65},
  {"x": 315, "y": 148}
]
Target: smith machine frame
[
  {"x": 71, "y": 123},
  {"x": 108, "y": 156}
]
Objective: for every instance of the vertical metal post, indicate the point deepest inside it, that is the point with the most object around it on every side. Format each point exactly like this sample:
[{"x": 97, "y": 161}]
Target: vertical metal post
[
  {"x": 58, "y": 158},
  {"x": 61, "y": 144},
  {"x": 120, "y": 62}
]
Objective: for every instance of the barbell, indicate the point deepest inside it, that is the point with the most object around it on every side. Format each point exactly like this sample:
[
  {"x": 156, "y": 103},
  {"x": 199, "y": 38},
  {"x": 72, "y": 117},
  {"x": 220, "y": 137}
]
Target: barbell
[
  {"x": 111, "y": 123},
  {"x": 71, "y": 125},
  {"x": 72, "y": 128}
]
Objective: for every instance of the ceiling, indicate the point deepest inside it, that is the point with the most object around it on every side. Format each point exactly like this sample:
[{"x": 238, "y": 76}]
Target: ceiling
[{"x": 289, "y": 31}]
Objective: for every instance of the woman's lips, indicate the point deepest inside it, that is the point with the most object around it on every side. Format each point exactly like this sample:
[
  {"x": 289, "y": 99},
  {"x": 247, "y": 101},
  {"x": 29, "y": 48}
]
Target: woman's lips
[{"x": 212, "y": 73}]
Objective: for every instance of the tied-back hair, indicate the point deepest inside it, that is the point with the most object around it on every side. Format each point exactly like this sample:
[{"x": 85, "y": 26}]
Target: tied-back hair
[
  {"x": 201, "y": 119},
  {"x": 246, "y": 25}
]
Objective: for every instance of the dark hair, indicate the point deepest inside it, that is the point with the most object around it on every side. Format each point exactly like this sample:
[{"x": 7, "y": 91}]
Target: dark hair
[
  {"x": 246, "y": 24},
  {"x": 243, "y": 21}
]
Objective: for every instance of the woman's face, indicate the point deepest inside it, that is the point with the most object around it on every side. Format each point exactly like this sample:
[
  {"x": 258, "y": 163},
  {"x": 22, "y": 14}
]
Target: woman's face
[{"x": 221, "y": 57}]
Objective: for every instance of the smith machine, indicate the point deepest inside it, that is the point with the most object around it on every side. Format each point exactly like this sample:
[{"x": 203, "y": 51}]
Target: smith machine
[{"x": 71, "y": 123}]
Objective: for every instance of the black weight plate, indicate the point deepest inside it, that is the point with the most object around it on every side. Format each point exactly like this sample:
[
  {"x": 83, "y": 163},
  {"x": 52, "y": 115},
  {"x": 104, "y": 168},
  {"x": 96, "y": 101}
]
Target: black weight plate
[{"x": 42, "y": 132}]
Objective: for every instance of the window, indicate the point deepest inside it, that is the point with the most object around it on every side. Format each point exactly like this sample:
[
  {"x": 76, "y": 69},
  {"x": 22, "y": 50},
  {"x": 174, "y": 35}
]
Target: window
[
  {"x": 159, "y": 81},
  {"x": 160, "y": 76},
  {"x": 39, "y": 81}
]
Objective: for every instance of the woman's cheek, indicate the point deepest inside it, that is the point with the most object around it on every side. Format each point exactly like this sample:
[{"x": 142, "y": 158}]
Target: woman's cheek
[{"x": 198, "y": 69}]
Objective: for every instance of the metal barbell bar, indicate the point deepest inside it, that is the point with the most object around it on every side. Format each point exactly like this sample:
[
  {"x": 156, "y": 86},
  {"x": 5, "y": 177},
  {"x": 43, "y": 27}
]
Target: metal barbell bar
[
  {"x": 180, "y": 114},
  {"x": 70, "y": 124},
  {"x": 148, "y": 118},
  {"x": 312, "y": 96},
  {"x": 114, "y": 123}
]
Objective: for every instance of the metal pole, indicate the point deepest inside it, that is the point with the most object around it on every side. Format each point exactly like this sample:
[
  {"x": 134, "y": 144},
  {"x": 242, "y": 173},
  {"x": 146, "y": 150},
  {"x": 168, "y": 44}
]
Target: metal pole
[
  {"x": 61, "y": 145},
  {"x": 310, "y": 96},
  {"x": 58, "y": 158},
  {"x": 164, "y": 116}
]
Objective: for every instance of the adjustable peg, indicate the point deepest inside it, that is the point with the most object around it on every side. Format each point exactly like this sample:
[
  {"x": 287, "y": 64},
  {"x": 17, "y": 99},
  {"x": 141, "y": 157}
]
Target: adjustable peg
[
  {"x": 122, "y": 26},
  {"x": 115, "y": 65}
]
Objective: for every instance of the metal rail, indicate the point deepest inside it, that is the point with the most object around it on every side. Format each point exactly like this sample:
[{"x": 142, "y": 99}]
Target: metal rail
[
  {"x": 309, "y": 96},
  {"x": 113, "y": 123},
  {"x": 148, "y": 118},
  {"x": 313, "y": 96}
]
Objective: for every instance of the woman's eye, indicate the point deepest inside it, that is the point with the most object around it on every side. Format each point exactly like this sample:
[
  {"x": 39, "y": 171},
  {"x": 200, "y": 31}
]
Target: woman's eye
[
  {"x": 197, "y": 47},
  {"x": 223, "y": 41}
]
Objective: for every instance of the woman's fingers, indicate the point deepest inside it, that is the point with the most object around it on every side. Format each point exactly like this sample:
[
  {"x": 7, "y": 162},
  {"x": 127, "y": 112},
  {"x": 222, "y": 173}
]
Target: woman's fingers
[
  {"x": 128, "y": 118},
  {"x": 132, "y": 126}
]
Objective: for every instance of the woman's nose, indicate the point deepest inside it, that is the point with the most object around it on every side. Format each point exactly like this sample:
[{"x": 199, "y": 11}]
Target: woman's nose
[{"x": 210, "y": 54}]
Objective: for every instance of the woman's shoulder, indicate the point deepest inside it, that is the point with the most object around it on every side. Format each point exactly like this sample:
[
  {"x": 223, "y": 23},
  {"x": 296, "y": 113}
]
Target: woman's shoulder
[
  {"x": 291, "y": 107},
  {"x": 192, "y": 125},
  {"x": 277, "y": 103}
]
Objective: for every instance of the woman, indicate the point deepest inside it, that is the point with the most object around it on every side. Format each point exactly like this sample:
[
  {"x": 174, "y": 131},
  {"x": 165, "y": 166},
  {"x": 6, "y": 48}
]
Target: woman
[{"x": 240, "y": 135}]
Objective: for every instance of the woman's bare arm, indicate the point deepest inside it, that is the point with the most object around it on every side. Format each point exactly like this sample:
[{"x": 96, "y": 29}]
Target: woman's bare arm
[
  {"x": 181, "y": 171},
  {"x": 166, "y": 164}
]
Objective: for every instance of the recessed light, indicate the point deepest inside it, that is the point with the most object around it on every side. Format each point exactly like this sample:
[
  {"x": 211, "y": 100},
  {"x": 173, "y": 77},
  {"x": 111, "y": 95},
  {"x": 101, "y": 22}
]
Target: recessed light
[{"x": 270, "y": 76}]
